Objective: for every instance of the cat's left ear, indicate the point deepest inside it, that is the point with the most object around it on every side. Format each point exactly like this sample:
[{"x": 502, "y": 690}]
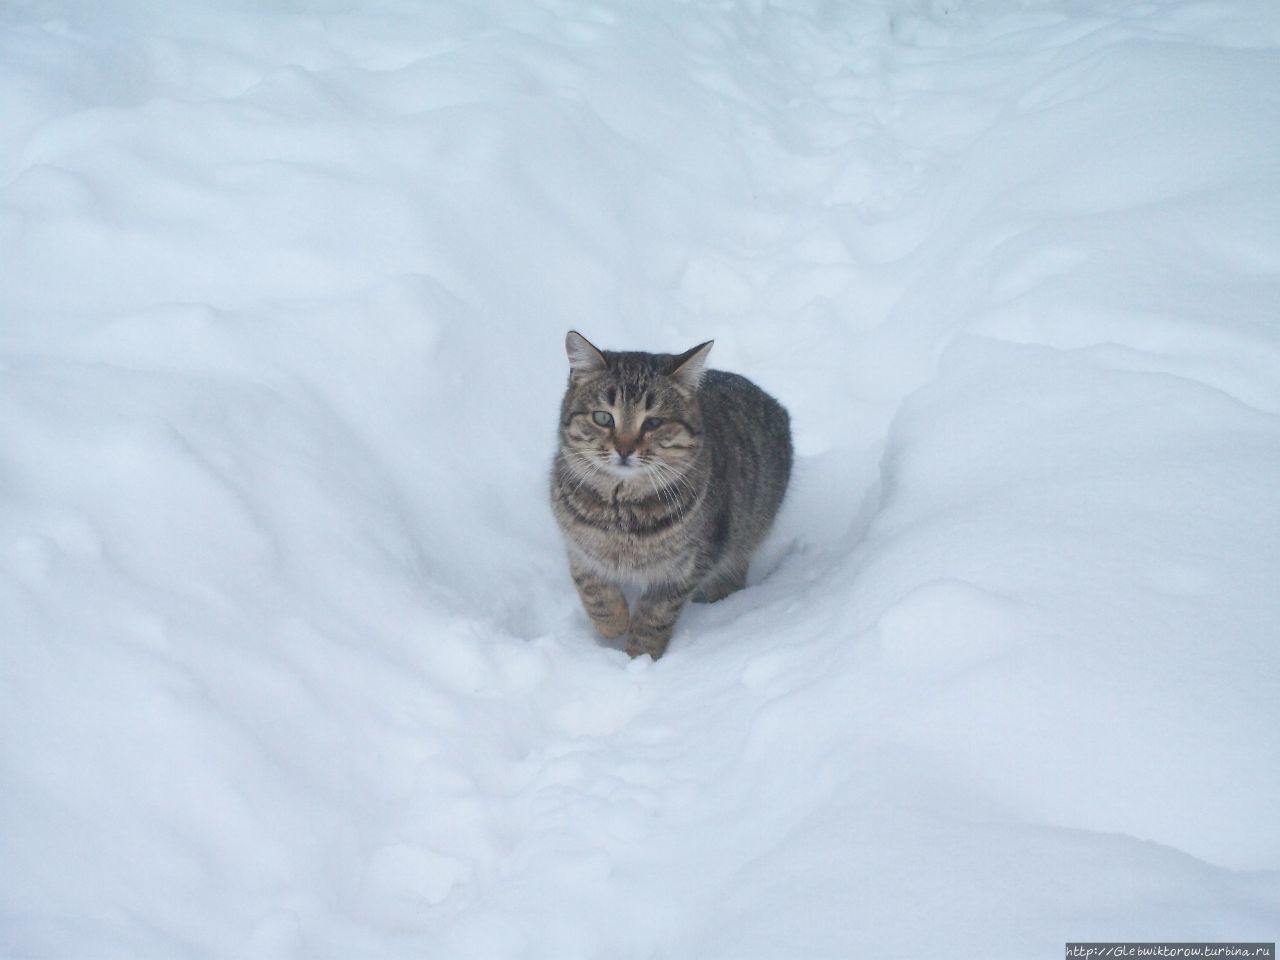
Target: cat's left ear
[
  {"x": 584, "y": 358},
  {"x": 691, "y": 365}
]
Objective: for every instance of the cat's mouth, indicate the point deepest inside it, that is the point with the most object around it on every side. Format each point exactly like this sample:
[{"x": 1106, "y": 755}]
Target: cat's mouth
[{"x": 624, "y": 468}]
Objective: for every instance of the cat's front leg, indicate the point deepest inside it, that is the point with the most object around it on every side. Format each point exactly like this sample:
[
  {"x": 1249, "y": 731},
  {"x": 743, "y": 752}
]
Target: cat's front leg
[
  {"x": 655, "y": 619},
  {"x": 603, "y": 601}
]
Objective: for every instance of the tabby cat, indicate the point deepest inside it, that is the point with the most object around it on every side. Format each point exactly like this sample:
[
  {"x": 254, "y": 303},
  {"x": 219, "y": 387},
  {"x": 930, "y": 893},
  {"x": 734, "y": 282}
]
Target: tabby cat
[{"x": 667, "y": 478}]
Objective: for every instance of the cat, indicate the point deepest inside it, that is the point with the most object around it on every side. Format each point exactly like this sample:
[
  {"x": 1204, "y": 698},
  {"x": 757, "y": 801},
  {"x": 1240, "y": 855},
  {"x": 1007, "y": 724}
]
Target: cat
[{"x": 667, "y": 477}]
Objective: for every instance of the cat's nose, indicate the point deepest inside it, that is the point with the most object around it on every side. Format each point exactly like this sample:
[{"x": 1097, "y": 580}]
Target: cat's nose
[{"x": 624, "y": 450}]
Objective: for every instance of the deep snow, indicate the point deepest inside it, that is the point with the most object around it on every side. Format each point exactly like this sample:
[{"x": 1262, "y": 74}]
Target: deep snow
[{"x": 292, "y": 667}]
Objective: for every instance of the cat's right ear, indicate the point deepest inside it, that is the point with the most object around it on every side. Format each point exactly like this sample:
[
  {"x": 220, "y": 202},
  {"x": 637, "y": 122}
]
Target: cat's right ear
[
  {"x": 691, "y": 365},
  {"x": 584, "y": 358}
]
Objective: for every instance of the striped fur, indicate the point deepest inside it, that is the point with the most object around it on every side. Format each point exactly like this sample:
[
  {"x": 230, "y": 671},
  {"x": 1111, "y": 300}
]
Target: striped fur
[{"x": 666, "y": 479}]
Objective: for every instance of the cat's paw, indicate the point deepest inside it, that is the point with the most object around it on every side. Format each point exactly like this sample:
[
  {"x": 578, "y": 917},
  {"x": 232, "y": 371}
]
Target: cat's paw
[
  {"x": 639, "y": 646},
  {"x": 613, "y": 622}
]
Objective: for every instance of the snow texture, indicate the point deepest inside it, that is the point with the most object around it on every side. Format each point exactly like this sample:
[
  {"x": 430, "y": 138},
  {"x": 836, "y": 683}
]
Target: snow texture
[{"x": 291, "y": 663}]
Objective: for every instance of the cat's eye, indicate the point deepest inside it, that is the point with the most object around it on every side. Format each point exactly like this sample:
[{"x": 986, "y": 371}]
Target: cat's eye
[
  {"x": 603, "y": 418},
  {"x": 653, "y": 423}
]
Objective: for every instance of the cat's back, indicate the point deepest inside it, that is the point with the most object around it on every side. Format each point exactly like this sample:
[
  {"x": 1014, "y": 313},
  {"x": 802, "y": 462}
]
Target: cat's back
[
  {"x": 749, "y": 436},
  {"x": 744, "y": 413}
]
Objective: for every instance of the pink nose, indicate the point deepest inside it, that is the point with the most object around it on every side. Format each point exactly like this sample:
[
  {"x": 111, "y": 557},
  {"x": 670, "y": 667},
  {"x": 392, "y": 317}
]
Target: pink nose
[{"x": 624, "y": 449}]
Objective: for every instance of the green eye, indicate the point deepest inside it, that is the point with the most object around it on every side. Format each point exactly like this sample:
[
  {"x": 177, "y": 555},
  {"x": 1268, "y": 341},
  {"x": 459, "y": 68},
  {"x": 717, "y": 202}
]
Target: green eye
[{"x": 602, "y": 418}]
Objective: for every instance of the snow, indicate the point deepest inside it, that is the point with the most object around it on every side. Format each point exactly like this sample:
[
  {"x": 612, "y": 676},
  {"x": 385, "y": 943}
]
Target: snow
[{"x": 292, "y": 666}]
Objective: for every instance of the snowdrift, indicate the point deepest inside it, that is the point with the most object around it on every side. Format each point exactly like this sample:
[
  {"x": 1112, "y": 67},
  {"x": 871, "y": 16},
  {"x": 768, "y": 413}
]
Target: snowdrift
[{"x": 292, "y": 666}]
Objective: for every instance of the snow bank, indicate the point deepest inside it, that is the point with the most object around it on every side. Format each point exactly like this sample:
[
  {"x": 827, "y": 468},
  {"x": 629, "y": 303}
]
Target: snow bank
[{"x": 291, "y": 663}]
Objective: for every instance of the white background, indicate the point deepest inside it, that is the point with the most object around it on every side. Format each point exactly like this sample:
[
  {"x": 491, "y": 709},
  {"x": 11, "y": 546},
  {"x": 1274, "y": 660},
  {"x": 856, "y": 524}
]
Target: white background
[{"x": 291, "y": 663}]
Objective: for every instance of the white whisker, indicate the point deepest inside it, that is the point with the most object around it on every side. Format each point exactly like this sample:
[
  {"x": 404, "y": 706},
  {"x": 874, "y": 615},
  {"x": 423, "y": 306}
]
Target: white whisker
[
  {"x": 580, "y": 467},
  {"x": 672, "y": 484}
]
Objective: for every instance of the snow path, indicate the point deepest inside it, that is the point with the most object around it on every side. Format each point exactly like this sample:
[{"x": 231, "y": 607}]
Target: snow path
[{"x": 290, "y": 665}]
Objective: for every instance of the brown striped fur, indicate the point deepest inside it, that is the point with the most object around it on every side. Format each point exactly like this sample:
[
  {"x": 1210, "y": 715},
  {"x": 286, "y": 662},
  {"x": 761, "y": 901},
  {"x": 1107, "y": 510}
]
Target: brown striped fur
[{"x": 671, "y": 494}]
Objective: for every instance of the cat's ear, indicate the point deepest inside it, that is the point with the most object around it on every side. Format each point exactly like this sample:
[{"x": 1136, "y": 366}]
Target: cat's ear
[
  {"x": 689, "y": 367},
  {"x": 584, "y": 358}
]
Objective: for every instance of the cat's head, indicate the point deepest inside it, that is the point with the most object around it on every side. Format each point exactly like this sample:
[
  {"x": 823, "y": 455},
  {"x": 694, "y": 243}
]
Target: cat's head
[{"x": 632, "y": 417}]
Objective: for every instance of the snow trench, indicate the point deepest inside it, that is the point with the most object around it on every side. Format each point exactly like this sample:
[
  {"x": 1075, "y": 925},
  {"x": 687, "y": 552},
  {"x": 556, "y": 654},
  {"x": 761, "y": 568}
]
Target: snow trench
[{"x": 291, "y": 663}]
